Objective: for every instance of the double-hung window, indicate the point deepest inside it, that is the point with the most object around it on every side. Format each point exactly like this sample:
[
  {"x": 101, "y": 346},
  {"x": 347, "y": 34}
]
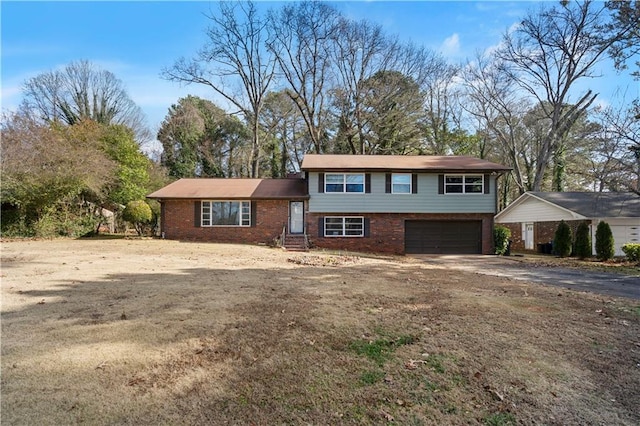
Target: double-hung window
[
  {"x": 463, "y": 184},
  {"x": 401, "y": 183},
  {"x": 226, "y": 213},
  {"x": 344, "y": 227},
  {"x": 344, "y": 182}
]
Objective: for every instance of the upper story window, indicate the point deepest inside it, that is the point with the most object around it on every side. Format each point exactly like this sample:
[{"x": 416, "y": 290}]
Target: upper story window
[
  {"x": 463, "y": 184},
  {"x": 401, "y": 183},
  {"x": 344, "y": 182},
  {"x": 226, "y": 213}
]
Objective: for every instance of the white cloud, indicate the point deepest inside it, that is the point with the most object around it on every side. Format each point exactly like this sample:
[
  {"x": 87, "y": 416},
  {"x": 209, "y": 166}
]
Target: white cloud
[
  {"x": 11, "y": 93},
  {"x": 451, "y": 45},
  {"x": 10, "y": 96}
]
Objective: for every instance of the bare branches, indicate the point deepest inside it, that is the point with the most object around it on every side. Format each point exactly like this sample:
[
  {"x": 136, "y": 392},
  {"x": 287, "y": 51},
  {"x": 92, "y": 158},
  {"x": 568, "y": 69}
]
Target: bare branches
[
  {"x": 303, "y": 35},
  {"x": 234, "y": 63},
  {"x": 82, "y": 91},
  {"x": 546, "y": 55}
]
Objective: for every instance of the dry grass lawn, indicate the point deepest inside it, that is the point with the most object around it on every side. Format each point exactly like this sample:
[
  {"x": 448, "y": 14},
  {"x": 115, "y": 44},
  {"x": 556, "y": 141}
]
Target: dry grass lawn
[{"x": 162, "y": 332}]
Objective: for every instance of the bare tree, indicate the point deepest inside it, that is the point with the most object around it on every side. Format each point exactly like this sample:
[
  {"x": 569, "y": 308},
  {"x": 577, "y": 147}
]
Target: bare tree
[
  {"x": 235, "y": 64},
  {"x": 303, "y": 35},
  {"x": 362, "y": 50},
  {"x": 616, "y": 156},
  {"x": 547, "y": 55},
  {"x": 499, "y": 109},
  {"x": 82, "y": 91},
  {"x": 442, "y": 114}
]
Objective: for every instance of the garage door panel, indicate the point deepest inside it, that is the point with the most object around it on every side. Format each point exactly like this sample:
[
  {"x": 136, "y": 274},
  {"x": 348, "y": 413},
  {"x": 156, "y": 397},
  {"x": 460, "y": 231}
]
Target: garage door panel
[
  {"x": 443, "y": 237},
  {"x": 623, "y": 234}
]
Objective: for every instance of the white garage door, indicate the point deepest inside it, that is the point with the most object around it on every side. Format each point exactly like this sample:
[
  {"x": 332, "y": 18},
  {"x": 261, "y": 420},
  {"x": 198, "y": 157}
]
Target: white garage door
[{"x": 625, "y": 231}]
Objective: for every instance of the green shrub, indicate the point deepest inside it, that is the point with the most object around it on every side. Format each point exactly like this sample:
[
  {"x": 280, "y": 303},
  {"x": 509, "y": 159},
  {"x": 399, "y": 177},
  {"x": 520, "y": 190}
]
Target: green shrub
[
  {"x": 138, "y": 213},
  {"x": 605, "y": 248},
  {"x": 15, "y": 227},
  {"x": 63, "y": 219},
  {"x": 632, "y": 251},
  {"x": 562, "y": 240},
  {"x": 583, "y": 241},
  {"x": 501, "y": 235}
]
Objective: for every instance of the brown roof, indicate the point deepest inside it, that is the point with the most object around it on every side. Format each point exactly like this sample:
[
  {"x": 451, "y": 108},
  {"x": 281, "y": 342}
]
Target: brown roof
[
  {"x": 399, "y": 162},
  {"x": 233, "y": 189}
]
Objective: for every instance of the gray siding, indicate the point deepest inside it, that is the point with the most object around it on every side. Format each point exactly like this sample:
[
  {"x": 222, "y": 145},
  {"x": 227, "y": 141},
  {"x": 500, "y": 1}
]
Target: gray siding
[{"x": 427, "y": 200}]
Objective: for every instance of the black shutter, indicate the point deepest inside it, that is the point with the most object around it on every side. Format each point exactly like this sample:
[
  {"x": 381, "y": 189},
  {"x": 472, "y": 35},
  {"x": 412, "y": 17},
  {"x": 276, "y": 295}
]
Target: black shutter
[
  {"x": 367, "y": 227},
  {"x": 487, "y": 187},
  {"x": 163, "y": 217},
  {"x": 414, "y": 183},
  {"x": 321, "y": 227},
  {"x": 440, "y": 184},
  {"x": 320, "y": 182},
  {"x": 367, "y": 183},
  {"x": 387, "y": 183},
  {"x": 197, "y": 212},
  {"x": 254, "y": 213}
]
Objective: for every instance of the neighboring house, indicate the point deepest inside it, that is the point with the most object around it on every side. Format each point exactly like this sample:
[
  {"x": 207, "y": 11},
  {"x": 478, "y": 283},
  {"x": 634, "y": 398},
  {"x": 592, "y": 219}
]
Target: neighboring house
[
  {"x": 534, "y": 217},
  {"x": 374, "y": 203}
]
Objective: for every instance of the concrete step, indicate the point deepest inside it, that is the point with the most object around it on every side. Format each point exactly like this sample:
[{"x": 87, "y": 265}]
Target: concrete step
[{"x": 295, "y": 243}]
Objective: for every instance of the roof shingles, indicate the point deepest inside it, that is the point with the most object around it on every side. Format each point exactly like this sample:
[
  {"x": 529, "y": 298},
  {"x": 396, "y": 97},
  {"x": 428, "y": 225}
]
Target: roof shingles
[
  {"x": 595, "y": 204},
  {"x": 233, "y": 189},
  {"x": 454, "y": 163}
]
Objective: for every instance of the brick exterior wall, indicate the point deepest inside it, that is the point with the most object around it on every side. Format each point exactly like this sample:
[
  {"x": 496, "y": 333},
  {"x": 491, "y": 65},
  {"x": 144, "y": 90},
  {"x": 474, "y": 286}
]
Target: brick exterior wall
[
  {"x": 386, "y": 231},
  {"x": 179, "y": 217},
  {"x": 517, "y": 242},
  {"x": 543, "y": 232}
]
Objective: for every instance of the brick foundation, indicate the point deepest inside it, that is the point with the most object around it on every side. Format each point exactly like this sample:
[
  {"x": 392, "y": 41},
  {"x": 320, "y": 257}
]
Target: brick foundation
[{"x": 386, "y": 231}]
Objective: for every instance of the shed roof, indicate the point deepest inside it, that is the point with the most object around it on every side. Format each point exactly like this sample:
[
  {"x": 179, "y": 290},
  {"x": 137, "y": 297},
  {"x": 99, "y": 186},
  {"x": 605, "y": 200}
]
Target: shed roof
[
  {"x": 444, "y": 163},
  {"x": 595, "y": 204},
  {"x": 233, "y": 189}
]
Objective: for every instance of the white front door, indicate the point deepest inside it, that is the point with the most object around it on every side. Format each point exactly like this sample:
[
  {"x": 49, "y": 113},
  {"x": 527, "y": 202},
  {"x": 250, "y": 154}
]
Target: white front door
[
  {"x": 528, "y": 236},
  {"x": 296, "y": 217}
]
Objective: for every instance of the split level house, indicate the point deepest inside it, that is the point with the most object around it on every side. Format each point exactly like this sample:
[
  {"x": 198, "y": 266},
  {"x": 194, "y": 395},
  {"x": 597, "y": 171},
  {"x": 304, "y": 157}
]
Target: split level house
[{"x": 371, "y": 203}]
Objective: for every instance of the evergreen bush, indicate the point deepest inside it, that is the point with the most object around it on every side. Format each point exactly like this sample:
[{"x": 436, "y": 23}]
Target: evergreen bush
[
  {"x": 605, "y": 248},
  {"x": 562, "y": 240},
  {"x": 138, "y": 213},
  {"x": 501, "y": 235},
  {"x": 583, "y": 241},
  {"x": 632, "y": 251}
]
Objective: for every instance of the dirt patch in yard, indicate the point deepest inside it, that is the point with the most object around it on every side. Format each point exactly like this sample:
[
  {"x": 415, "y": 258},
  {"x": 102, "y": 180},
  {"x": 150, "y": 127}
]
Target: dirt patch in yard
[{"x": 162, "y": 332}]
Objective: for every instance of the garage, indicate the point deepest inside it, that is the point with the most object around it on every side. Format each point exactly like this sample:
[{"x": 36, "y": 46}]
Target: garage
[
  {"x": 624, "y": 231},
  {"x": 443, "y": 237}
]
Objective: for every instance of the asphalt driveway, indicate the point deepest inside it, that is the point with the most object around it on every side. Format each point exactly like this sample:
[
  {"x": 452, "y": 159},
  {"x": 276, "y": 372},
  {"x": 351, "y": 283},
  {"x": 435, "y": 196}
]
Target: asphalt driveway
[{"x": 575, "y": 279}]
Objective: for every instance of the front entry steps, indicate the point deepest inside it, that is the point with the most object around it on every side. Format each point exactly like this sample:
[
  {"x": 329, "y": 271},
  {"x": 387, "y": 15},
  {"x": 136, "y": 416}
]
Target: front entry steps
[{"x": 295, "y": 242}]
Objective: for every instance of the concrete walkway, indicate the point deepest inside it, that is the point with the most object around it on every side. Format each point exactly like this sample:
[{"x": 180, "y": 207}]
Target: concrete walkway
[{"x": 576, "y": 279}]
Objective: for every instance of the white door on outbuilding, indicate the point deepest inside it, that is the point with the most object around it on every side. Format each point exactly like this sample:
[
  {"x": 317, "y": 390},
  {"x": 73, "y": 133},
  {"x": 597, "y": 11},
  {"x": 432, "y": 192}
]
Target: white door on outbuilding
[{"x": 527, "y": 236}]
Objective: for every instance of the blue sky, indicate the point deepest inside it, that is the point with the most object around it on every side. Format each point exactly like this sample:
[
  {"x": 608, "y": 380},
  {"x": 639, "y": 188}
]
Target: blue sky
[{"x": 135, "y": 40}]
